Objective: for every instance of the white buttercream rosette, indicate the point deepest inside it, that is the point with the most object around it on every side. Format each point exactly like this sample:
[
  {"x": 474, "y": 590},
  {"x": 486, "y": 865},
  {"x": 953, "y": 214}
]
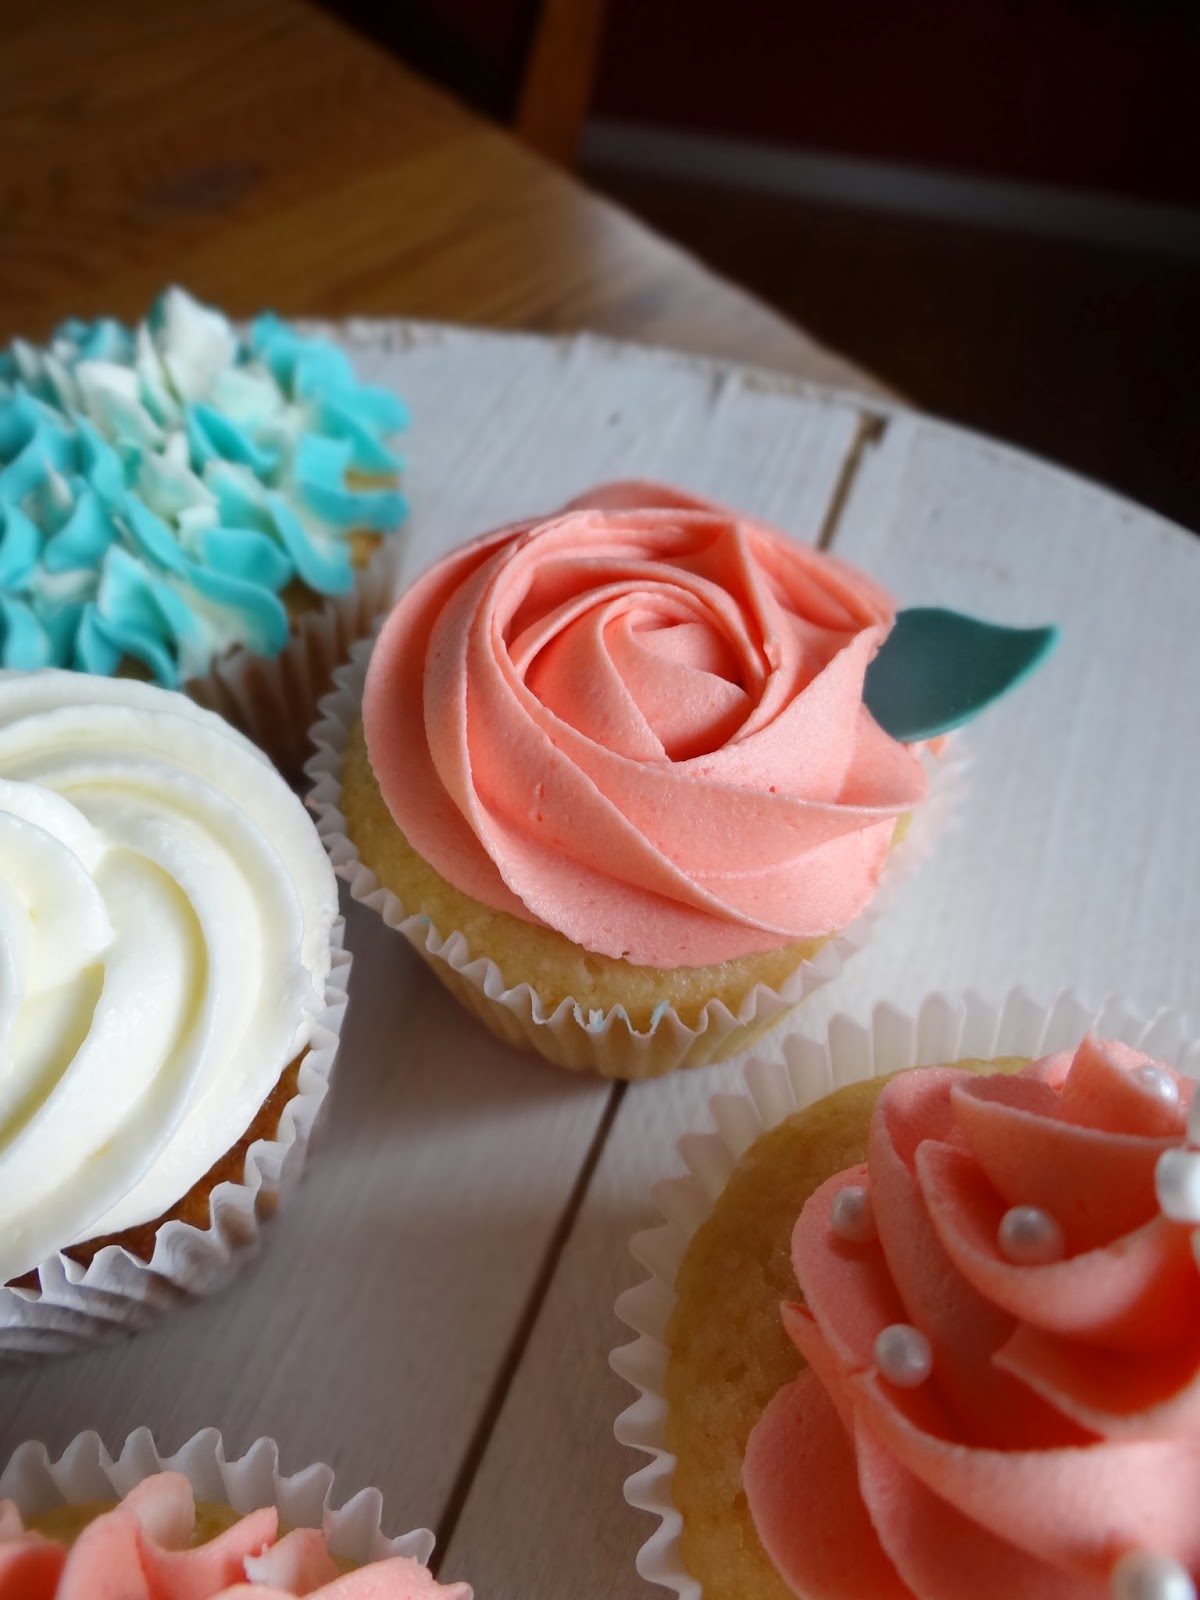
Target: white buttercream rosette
[
  {"x": 944, "y": 1030},
  {"x": 87, "y": 1473},
  {"x": 570, "y": 1034},
  {"x": 117, "y": 1292},
  {"x": 170, "y": 943}
]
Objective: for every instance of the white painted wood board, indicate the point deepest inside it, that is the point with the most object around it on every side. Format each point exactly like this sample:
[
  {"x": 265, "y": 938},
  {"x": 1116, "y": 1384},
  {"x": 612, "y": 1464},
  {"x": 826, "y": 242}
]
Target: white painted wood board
[
  {"x": 1076, "y": 860},
  {"x": 383, "y": 1313}
]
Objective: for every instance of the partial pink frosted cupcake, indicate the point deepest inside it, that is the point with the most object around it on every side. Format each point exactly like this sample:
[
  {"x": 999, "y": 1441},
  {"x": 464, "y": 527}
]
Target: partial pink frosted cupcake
[
  {"x": 934, "y": 1337},
  {"x": 195, "y": 1526}
]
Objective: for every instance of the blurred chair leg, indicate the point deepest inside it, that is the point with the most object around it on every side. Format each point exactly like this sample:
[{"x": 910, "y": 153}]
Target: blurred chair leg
[{"x": 558, "y": 80}]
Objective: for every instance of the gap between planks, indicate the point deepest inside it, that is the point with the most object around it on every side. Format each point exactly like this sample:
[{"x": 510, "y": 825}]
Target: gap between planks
[
  {"x": 868, "y": 435},
  {"x": 498, "y": 1394}
]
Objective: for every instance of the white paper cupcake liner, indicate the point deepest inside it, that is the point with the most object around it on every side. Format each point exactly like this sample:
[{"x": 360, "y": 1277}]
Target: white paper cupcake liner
[
  {"x": 571, "y": 1035},
  {"x": 76, "y": 1305},
  {"x": 86, "y": 1472},
  {"x": 274, "y": 700},
  {"x": 944, "y": 1030}
]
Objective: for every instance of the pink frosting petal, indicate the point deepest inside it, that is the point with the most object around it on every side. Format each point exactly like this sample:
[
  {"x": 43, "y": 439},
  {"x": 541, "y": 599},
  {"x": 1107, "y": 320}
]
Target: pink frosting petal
[
  {"x": 848, "y": 1288},
  {"x": 398, "y": 1578},
  {"x": 165, "y": 1507},
  {"x": 1076, "y": 1507},
  {"x": 30, "y": 1569},
  {"x": 962, "y": 1325},
  {"x": 195, "y": 1574},
  {"x": 683, "y": 677},
  {"x": 105, "y": 1562},
  {"x": 1034, "y": 1158},
  {"x": 251, "y": 1591},
  {"x": 803, "y": 1330},
  {"x": 799, "y": 1455},
  {"x": 643, "y": 727},
  {"x": 11, "y": 1525},
  {"x": 1133, "y": 1294},
  {"x": 1149, "y": 1395},
  {"x": 934, "y": 1545},
  {"x": 657, "y": 672},
  {"x": 635, "y": 494},
  {"x": 1101, "y": 1093},
  {"x": 393, "y": 718},
  {"x": 299, "y": 1563}
]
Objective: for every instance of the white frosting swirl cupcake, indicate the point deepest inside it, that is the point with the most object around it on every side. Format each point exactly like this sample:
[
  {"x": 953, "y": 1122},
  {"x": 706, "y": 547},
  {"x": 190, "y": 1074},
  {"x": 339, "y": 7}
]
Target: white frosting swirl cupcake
[{"x": 167, "y": 921}]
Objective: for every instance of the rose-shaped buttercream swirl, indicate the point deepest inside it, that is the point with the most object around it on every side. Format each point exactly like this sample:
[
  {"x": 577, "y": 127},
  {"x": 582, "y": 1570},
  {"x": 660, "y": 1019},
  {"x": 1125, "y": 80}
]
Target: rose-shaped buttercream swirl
[
  {"x": 1059, "y": 1427},
  {"x": 640, "y": 722},
  {"x": 160, "y": 488},
  {"x": 143, "y": 1549},
  {"x": 165, "y": 917}
]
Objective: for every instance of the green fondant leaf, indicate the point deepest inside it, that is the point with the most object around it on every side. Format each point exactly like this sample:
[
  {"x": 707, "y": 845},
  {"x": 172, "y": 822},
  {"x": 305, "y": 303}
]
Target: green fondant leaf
[{"x": 938, "y": 669}]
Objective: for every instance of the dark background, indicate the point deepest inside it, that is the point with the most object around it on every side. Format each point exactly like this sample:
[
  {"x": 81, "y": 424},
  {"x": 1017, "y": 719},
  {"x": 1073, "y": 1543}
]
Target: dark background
[{"x": 1079, "y": 341}]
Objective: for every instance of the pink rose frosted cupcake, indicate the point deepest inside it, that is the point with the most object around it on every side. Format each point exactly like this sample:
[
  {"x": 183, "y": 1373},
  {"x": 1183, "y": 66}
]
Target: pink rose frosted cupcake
[
  {"x": 615, "y": 776},
  {"x": 994, "y": 1356},
  {"x": 155, "y": 1538}
]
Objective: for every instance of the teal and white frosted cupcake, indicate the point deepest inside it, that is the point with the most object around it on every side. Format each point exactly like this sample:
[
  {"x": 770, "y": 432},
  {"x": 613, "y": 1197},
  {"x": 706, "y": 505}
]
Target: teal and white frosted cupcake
[{"x": 210, "y": 511}]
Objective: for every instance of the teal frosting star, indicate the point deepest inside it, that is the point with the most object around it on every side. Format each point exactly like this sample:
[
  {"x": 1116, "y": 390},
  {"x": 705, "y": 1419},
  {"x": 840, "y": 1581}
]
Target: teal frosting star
[{"x": 161, "y": 486}]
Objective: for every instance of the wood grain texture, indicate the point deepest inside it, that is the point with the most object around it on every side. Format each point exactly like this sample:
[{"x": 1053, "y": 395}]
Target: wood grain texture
[{"x": 265, "y": 155}]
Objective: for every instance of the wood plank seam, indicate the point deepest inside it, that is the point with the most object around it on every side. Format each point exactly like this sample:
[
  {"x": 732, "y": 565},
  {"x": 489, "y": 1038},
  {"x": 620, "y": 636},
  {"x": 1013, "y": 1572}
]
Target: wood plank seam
[
  {"x": 507, "y": 1370},
  {"x": 872, "y": 427}
]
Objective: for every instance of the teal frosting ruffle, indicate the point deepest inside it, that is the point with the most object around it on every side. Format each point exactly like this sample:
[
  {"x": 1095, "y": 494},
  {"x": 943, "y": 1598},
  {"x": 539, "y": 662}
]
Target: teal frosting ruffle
[{"x": 161, "y": 486}]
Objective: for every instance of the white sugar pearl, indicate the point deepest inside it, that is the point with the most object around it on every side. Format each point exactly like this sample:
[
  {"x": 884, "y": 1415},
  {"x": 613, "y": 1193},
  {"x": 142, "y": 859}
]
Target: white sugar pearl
[
  {"x": 851, "y": 1217},
  {"x": 903, "y": 1355},
  {"x": 1030, "y": 1237},
  {"x": 1157, "y": 1083},
  {"x": 1143, "y": 1575},
  {"x": 1177, "y": 1184}
]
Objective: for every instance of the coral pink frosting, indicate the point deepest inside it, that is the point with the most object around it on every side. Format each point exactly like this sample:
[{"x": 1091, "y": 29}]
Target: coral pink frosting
[
  {"x": 1060, "y": 1426},
  {"x": 141, "y": 1550},
  {"x": 640, "y": 722}
]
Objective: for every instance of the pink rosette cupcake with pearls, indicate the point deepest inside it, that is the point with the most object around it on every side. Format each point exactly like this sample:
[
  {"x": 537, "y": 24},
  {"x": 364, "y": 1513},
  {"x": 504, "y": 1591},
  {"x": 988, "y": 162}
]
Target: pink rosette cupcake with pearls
[
  {"x": 196, "y": 1527},
  {"x": 630, "y": 776},
  {"x": 981, "y": 1381}
]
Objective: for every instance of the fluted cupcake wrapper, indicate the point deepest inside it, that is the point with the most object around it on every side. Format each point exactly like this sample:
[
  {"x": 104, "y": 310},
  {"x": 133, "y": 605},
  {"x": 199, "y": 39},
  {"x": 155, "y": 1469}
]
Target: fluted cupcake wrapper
[
  {"x": 273, "y": 700},
  {"x": 76, "y": 1305},
  {"x": 570, "y": 1034},
  {"x": 85, "y": 1472},
  {"x": 943, "y": 1030}
]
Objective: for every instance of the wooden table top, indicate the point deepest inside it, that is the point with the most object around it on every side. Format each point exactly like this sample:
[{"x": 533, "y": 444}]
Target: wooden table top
[{"x": 263, "y": 154}]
